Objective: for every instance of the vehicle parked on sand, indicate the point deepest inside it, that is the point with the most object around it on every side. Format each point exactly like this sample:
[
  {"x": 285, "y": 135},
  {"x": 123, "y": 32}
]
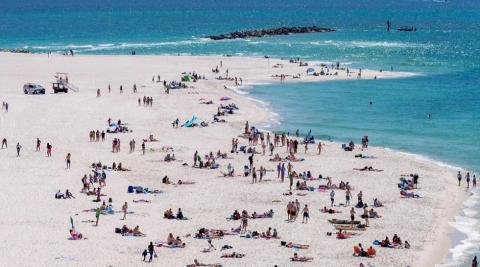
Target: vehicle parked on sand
[{"x": 35, "y": 89}]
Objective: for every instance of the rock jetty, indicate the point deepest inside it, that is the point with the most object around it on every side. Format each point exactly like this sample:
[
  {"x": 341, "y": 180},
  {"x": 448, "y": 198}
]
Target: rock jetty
[{"x": 268, "y": 32}]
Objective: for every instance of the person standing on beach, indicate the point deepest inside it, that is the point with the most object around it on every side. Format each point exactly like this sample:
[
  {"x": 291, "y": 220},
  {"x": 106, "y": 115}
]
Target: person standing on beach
[
  {"x": 121, "y": 89},
  {"x": 332, "y": 198},
  {"x": 37, "y": 148},
  {"x": 467, "y": 177},
  {"x": 348, "y": 195},
  {"x": 143, "y": 148},
  {"x": 195, "y": 158},
  {"x": 49, "y": 150},
  {"x": 124, "y": 210},
  {"x": 19, "y": 147},
  {"x": 319, "y": 148},
  {"x": 305, "y": 214},
  {"x": 97, "y": 215},
  {"x": 459, "y": 177},
  {"x": 109, "y": 88},
  {"x": 4, "y": 143},
  {"x": 475, "y": 262},
  {"x": 282, "y": 172},
  {"x": 290, "y": 177},
  {"x": 474, "y": 181},
  {"x": 352, "y": 215},
  {"x": 67, "y": 159},
  {"x": 254, "y": 176}
]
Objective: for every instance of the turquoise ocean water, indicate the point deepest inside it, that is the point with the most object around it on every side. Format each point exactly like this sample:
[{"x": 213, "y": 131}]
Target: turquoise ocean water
[{"x": 444, "y": 52}]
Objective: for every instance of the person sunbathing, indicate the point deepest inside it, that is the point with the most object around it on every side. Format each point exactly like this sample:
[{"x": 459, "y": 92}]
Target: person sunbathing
[
  {"x": 385, "y": 242},
  {"x": 75, "y": 235},
  {"x": 368, "y": 168},
  {"x": 125, "y": 230},
  {"x": 233, "y": 255},
  {"x": 297, "y": 246},
  {"x": 120, "y": 168},
  {"x": 396, "y": 240},
  {"x": 276, "y": 158},
  {"x": 377, "y": 203},
  {"x": 68, "y": 194},
  {"x": 59, "y": 195},
  {"x": 331, "y": 211},
  {"x": 170, "y": 239},
  {"x": 168, "y": 214},
  {"x": 301, "y": 259},
  {"x": 169, "y": 157},
  {"x": 180, "y": 214},
  {"x": 373, "y": 214},
  {"x": 165, "y": 180},
  {"x": 371, "y": 252},
  {"x": 136, "y": 231}
]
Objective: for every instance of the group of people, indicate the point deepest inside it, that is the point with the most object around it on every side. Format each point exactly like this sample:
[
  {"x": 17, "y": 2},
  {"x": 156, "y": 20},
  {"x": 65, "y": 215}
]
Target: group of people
[
  {"x": 147, "y": 101},
  {"x": 96, "y": 136}
]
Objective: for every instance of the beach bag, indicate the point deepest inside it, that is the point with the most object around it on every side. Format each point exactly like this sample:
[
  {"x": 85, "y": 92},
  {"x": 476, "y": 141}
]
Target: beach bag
[
  {"x": 130, "y": 189},
  {"x": 118, "y": 230}
]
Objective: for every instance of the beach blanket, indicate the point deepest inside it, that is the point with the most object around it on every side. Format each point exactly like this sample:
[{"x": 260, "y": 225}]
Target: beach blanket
[
  {"x": 166, "y": 245},
  {"x": 349, "y": 227},
  {"x": 336, "y": 221}
]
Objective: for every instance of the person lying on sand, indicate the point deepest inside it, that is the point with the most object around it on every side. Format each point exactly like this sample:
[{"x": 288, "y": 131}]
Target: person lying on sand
[
  {"x": 119, "y": 167},
  {"x": 196, "y": 264},
  {"x": 233, "y": 255},
  {"x": 180, "y": 182},
  {"x": 368, "y": 168},
  {"x": 344, "y": 234},
  {"x": 76, "y": 235},
  {"x": 301, "y": 259},
  {"x": 293, "y": 245},
  {"x": 276, "y": 158},
  {"x": 268, "y": 214},
  {"x": 331, "y": 211},
  {"x": 141, "y": 201},
  {"x": 404, "y": 194}
]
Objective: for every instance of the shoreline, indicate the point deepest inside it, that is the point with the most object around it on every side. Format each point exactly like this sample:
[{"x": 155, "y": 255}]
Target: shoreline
[
  {"x": 258, "y": 114},
  {"x": 436, "y": 253}
]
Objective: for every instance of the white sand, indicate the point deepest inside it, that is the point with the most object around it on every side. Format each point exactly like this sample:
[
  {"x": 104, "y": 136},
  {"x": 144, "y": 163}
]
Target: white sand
[{"x": 35, "y": 225}]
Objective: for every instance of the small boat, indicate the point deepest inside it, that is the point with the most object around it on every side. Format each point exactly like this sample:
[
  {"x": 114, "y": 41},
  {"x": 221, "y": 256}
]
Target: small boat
[{"x": 407, "y": 29}]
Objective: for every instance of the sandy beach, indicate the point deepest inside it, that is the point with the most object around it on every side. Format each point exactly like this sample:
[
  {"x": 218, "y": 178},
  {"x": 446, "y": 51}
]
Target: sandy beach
[{"x": 36, "y": 225}]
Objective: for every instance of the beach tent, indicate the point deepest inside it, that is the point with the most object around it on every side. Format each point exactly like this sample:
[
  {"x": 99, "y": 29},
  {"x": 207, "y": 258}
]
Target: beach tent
[
  {"x": 310, "y": 71},
  {"x": 186, "y": 78},
  {"x": 190, "y": 122}
]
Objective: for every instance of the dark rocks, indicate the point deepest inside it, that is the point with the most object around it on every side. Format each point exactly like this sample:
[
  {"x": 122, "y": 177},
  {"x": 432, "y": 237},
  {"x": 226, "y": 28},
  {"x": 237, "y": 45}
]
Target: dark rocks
[
  {"x": 16, "y": 50},
  {"x": 268, "y": 32}
]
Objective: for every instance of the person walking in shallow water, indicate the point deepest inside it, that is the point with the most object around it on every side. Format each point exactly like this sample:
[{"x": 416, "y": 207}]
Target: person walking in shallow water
[{"x": 459, "y": 177}]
